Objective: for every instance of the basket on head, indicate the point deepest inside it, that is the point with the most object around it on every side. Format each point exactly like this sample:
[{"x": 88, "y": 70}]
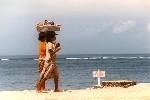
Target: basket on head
[
  {"x": 53, "y": 27},
  {"x": 40, "y": 26}
]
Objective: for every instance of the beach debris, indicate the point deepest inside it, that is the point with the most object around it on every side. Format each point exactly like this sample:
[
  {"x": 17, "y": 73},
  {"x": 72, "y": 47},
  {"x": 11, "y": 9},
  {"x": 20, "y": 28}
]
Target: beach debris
[{"x": 118, "y": 83}]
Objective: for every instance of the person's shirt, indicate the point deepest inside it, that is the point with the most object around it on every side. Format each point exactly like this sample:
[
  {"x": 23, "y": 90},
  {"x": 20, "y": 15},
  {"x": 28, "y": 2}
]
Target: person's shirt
[
  {"x": 50, "y": 47},
  {"x": 42, "y": 50}
]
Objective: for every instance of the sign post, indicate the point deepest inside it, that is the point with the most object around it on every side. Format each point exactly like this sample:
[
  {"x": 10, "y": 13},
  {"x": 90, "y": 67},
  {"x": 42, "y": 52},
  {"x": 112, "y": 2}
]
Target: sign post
[
  {"x": 99, "y": 74},
  {"x": 99, "y": 81}
]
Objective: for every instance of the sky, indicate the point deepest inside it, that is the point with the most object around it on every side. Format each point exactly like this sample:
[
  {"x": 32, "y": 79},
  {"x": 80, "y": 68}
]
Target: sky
[{"x": 88, "y": 26}]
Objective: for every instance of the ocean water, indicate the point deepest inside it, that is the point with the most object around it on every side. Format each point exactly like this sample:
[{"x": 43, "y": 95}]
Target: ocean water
[{"x": 20, "y": 72}]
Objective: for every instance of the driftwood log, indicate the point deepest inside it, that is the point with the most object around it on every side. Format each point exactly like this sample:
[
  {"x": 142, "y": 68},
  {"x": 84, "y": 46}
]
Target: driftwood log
[{"x": 118, "y": 83}]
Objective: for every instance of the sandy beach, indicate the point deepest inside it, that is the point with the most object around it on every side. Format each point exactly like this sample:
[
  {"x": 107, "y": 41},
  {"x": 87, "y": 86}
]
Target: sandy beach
[{"x": 138, "y": 92}]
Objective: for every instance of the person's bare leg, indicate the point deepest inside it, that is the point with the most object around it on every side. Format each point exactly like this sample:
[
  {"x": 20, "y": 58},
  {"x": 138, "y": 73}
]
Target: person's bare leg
[
  {"x": 38, "y": 86},
  {"x": 56, "y": 81},
  {"x": 43, "y": 85}
]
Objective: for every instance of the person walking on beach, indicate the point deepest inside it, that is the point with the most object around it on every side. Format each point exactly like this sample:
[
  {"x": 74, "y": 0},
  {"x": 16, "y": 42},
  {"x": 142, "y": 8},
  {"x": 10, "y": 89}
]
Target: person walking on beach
[
  {"x": 50, "y": 69},
  {"x": 41, "y": 29},
  {"x": 41, "y": 56}
]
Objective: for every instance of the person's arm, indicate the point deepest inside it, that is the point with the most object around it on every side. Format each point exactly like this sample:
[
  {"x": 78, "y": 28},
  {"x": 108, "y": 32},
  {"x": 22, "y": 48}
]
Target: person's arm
[
  {"x": 55, "y": 50},
  {"x": 50, "y": 49},
  {"x": 57, "y": 47},
  {"x": 51, "y": 52}
]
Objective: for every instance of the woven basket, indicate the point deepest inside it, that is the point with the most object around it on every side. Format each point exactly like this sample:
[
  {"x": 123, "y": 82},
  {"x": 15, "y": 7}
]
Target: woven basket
[
  {"x": 41, "y": 27},
  {"x": 53, "y": 28}
]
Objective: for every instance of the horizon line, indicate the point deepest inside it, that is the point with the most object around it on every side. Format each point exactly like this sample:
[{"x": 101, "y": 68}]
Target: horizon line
[{"x": 78, "y": 54}]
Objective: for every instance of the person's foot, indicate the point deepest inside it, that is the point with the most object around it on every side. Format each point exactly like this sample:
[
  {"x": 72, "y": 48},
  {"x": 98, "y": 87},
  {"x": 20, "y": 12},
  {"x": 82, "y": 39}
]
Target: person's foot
[
  {"x": 43, "y": 88},
  {"x": 39, "y": 91},
  {"x": 38, "y": 87},
  {"x": 58, "y": 90}
]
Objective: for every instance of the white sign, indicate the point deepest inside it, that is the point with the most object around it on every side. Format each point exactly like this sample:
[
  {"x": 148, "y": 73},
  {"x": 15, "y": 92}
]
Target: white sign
[{"x": 98, "y": 73}]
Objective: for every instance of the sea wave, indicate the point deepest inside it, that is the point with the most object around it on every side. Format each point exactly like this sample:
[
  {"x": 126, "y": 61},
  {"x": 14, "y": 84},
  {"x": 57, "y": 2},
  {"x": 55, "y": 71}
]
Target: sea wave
[
  {"x": 76, "y": 58},
  {"x": 35, "y": 59},
  {"x": 79, "y": 58},
  {"x": 12, "y": 59},
  {"x": 4, "y": 59},
  {"x": 93, "y": 58}
]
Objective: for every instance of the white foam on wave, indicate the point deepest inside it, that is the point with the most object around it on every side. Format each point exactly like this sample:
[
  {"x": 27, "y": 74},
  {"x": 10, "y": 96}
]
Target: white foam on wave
[
  {"x": 106, "y": 57},
  {"x": 85, "y": 58},
  {"x": 72, "y": 58},
  {"x": 4, "y": 59},
  {"x": 36, "y": 59},
  {"x": 128, "y": 57},
  {"x": 94, "y": 58},
  {"x": 144, "y": 57},
  {"x": 76, "y": 58},
  {"x": 123, "y": 57},
  {"x": 141, "y": 57}
]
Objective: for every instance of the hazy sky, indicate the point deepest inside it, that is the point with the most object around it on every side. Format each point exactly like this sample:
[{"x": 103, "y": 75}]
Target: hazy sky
[{"x": 88, "y": 26}]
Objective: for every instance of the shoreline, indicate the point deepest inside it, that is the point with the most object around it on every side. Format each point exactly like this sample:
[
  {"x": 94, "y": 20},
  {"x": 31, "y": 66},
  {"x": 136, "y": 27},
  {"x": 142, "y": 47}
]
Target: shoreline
[{"x": 140, "y": 91}]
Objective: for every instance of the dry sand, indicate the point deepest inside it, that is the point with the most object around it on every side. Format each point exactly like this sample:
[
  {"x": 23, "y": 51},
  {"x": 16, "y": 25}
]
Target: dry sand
[{"x": 137, "y": 92}]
